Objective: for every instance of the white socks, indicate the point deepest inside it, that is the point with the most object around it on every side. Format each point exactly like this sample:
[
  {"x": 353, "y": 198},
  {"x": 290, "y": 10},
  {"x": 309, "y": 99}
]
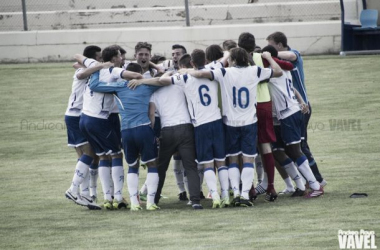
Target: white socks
[
  {"x": 81, "y": 172},
  {"x": 292, "y": 171},
  {"x": 247, "y": 179},
  {"x": 152, "y": 184},
  {"x": 234, "y": 176},
  {"x": 118, "y": 178},
  {"x": 105, "y": 180},
  {"x": 178, "y": 173},
  {"x": 304, "y": 168},
  {"x": 223, "y": 180},
  {"x": 210, "y": 179},
  {"x": 133, "y": 185}
]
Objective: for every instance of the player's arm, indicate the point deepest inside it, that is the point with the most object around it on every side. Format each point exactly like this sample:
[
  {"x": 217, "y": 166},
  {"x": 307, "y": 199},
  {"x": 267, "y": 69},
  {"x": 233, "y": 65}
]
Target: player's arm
[
  {"x": 152, "y": 110},
  {"x": 277, "y": 72},
  {"x": 77, "y": 65},
  {"x": 152, "y": 81},
  {"x": 304, "y": 107},
  {"x": 88, "y": 71},
  {"x": 166, "y": 78},
  {"x": 224, "y": 59},
  {"x": 288, "y": 55},
  {"x": 202, "y": 74},
  {"x": 104, "y": 87},
  {"x": 129, "y": 75},
  {"x": 160, "y": 69}
]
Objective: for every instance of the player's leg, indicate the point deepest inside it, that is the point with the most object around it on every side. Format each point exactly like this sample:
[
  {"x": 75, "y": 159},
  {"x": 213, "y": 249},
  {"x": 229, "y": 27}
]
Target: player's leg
[
  {"x": 306, "y": 150},
  {"x": 259, "y": 169},
  {"x": 186, "y": 149},
  {"x": 248, "y": 148},
  {"x": 288, "y": 181},
  {"x": 168, "y": 146},
  {"x": 145, "y": 139},
  {"x": 291, "y": 135},
  {"x": 179, "y": 176}
]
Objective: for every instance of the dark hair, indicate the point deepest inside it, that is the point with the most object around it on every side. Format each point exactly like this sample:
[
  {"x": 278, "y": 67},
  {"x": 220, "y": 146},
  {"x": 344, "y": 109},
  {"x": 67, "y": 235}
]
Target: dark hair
[
  {"x": 110, "y": 52},
  {"x": 278, "y": 37},
  {"x": 178, "y": 46},
  {"x": 257, "y": 49},
  {"x": 198, "y": 57},
  {"x": 90, "y": 51},
  {"x": 247, "y": 42},
  {"x": 272, "y": 50},
  {"x": 143, "y": 45},
  {"x": 184, "y": 61},
  {"x": 156, "y": 58},
  {"x": 122, "y": 51},
  {"x": 135, "y": 67},
  {"x": 214, "y": 52},
  {"x": 240, "y": 56},
  {"x": 229, "y": 44}
]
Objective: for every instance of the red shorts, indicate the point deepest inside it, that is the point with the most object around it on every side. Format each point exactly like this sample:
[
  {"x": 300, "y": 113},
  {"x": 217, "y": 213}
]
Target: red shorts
[{"x": 265, "y": 122}]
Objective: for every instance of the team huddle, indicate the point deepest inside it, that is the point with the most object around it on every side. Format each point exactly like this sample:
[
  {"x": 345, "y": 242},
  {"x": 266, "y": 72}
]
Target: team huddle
[{"x": 218, "y": 113}]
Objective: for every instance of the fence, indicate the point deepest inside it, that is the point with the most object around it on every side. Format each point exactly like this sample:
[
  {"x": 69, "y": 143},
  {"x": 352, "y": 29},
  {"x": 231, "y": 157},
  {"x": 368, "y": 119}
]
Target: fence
[{"x": 93, "y": 14}]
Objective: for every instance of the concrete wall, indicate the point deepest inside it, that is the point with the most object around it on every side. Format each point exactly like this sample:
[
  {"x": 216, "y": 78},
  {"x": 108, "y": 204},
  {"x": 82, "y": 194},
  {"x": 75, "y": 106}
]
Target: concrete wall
[
  {"x": 60, "y": 15},
  {"x": 61, "y": 45}
]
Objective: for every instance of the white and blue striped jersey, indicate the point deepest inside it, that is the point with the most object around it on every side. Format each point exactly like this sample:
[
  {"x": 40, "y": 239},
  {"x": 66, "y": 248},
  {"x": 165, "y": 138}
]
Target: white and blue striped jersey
[
  {"x": 239, "y": 89},
  {"x": 97, "y": 104},
  {"x": 214, "y": 65},
  {"x": 75, "y": 104},
  {"x": 282, "y": 94},
  {"x": 202, "y": 98}
]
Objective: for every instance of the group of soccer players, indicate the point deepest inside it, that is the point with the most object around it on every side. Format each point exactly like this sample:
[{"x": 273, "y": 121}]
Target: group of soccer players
[{"x": 210, "y": 110}]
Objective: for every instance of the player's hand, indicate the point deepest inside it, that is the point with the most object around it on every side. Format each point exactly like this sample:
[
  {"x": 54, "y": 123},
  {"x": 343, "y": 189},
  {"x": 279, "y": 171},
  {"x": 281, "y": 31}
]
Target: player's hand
[
  {"x": 134, "y": 83},
  {"x": 107, "y": 65},
  {"x": 304, "y": 108},
  {"x": 266, "y": 55}
]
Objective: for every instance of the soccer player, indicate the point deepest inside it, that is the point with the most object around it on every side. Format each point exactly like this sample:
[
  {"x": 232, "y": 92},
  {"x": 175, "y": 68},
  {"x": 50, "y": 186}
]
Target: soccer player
[
  {"x": 291, "y": 121},
  {"x": 177, "y": 52},
  {"x": 177, "y": 135},
  {"x": 202, "y": 103},
  {"x": 85, "y": 166},
  {"x": 279, "y": 41},
  {"x": 100, "y": 132},
  {"x": 173, "y": 65},
  {"x": 264, "y": 116},
  {"x": 239, "y": 87},
  {"x": 137, "y": 134}
]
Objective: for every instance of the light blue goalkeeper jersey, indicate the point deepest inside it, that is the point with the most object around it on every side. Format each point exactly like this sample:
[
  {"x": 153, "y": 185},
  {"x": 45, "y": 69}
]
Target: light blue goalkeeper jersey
[{"x": 133, "y": 104}]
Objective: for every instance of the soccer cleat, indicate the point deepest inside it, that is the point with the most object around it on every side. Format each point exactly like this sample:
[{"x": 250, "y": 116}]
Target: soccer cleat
[
  {"x": 225, "y": 202},
  {"x": 231, "y": 192},
  {"x": 287, "y": 191},
  {"x": 136, "y": 207},
  {"x": 183, "y": 196},
  {"x": 152, "y": 207},
  {"x": 315, "y": 193},
  {"x": 236, "y": 201},
  {"x": 216, "y": 204},
  {"x": 323, "y": 183},
  {"x": 94, "y": 198},
  {"x": 142, "y": 196},
  {"x": 245, "y": 203},
  {"x": 120, "y": 204},
  {"x": 77, "y": 199},
  {"x": 298, "y": 193},
  {"x": 197, "y": 206},
  {"x": 271, "y": 197},
  {"x": 91, "y": 203},
  {"x": 108, "y": 205},
  {"x": 259, "y": 190},
  {"x": 252, "y": 194},
  {"x": 202, "y": 196},
  {"x": 190, "y": 203}
]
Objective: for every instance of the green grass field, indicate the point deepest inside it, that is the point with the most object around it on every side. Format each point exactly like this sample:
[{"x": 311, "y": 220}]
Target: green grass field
[{"x": 36, "y": 168}]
